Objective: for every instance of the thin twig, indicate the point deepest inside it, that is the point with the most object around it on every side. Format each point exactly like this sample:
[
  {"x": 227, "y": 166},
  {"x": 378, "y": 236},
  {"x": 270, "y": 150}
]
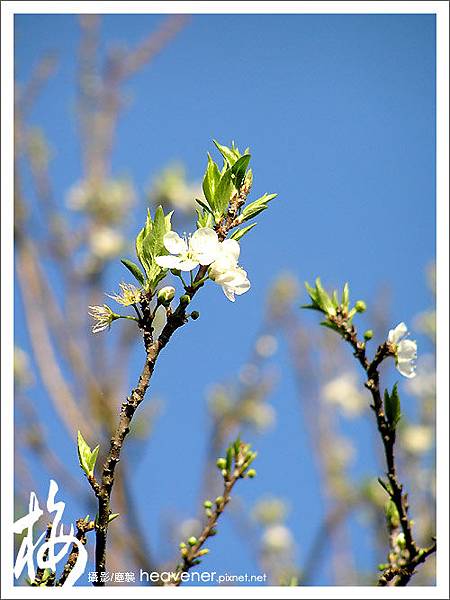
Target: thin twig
[{"x": 394, "y": 487}]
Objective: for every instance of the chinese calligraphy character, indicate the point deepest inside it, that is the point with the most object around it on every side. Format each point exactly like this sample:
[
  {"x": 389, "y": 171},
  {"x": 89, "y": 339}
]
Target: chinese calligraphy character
[{"x": 45, "y": 554}]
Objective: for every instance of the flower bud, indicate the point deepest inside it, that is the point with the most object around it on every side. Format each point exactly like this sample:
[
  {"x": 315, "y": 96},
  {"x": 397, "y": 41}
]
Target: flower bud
[
  {"x": 221, "y": 463},
  {"x": 219, "y": 500},
  {"x": 368, "y": 335},
  {"x": 360, "y": 306},
  {"x": 203, "y": 552},
  {"x": 184, "y": 300},
  {"x": 166, "y": 295},
  {"x": 400, "y": 541},
  {"x": 182, "y": 545},
  {"x": 207, "y": 504},
  {"x": 192, "y": 540},
  {"x": 251, "y": 473}
]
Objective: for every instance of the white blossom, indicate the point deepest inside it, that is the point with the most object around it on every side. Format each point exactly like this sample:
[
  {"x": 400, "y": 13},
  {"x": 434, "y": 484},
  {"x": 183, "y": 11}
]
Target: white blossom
[
  {"x": 343, "y": 392},
  {"x": 103, "y": 316},
  {"x": 405, "y": 350},
  {"x": 185, "y": 254},
  {"x": 225, "y": 270},
  {"x": 129, "y": 294},
  {"x": 277, "y": 538}
]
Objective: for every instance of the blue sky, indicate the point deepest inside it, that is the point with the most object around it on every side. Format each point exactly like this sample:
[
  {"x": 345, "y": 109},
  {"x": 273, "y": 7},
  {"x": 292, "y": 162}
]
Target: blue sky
[{"x": 339, "y": 113}]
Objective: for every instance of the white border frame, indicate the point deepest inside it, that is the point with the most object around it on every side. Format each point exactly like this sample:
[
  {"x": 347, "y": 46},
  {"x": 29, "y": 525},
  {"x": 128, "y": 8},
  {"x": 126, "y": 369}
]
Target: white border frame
[{"x": 441, "y": 9}]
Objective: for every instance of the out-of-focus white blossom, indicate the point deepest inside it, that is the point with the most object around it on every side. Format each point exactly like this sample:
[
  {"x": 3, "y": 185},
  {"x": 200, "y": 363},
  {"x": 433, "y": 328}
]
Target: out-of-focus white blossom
[
  {"x": 108, "y": 201},
  {"x": 266, "y": 345},
  {"x": 344, "y": 393},
  {"x": 259, "y": 414},
  {"x": 249, "y": 374},
  {"x": 270, "y": 511},
  {"x": 106, "y": 243},
  {"x": 22, "y": 368},
  {"x": 405, "y": 350},
  {"x": 188, "y": 528},
  {"x": 417, "y": 439},
  {"x": 277, "y": 539},
  {"x": 172, "y": 189}
]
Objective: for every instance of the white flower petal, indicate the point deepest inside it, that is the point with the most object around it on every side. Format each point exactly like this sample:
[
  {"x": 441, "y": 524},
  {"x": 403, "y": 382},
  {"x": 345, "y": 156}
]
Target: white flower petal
[
  {"x": 168, "y": 262},
  {"x": 204, "y": 241},
  {"x": 407, "y": 350},
  {"x": 174, "y": 243},
  {"x": 231, "y": 249},
  {"x": 395, "y": 335},
  {"x": 242, "y": 288},
  {"x": 186, "y": 264},
  {"x": 229, "y": 292},
  {"x": 407, "y": 368}
]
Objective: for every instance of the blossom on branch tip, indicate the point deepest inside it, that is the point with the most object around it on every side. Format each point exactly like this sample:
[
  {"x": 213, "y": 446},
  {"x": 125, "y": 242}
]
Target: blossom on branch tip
[
  {"x": 225, "y": 270},
  {"x": 185, "y": 254},
  {"x": 405, "y": 350},
  {"x": 103, "y": 316},
  {"x": 129, "y": 295}
]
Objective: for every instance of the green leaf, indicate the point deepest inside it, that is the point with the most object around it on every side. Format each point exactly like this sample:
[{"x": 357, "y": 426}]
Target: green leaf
[
  {"x": 332, "y": 326},
  {"x": 141, "y": 236},
  {"x": 239, "y": 169},
  {"x": 345, "y": 297},
  {"x": 155, "y": 239},
  {"x": 255, "y": 207},
  {"x": 392, "y": 516},
  {"x": 211, "y": 181},
  {"x": 205, "y": 219},
  {"x": 230, "y": 155},
  {"x": 86, "y": 456},
  {"x": 239, "y": 233},
  {"x": 225, "y": 191},
  {"x": 204, "y": 206},
  {"x": 392, "y": 407},
  {"x": 113, "y": 516},
  {"x": 229, "y": 458},
  {"x": 323, "y": 299},
  {"x": 134, "y": 269},
  {"x": 168, "y": 221}
]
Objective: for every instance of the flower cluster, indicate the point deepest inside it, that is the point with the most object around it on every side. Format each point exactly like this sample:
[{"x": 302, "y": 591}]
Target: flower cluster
[{"x": 204, "y": 248}]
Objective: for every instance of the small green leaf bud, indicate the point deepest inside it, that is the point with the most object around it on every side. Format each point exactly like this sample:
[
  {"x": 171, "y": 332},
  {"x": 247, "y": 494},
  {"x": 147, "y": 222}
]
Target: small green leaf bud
[
  {"x": 212, "y": 532},
  {"x": 208, "y": 512},
  {"x": 195, "y": 315},
  {"x": 203, "y": 552},
  {"x": 221, "y": 463},
  {"x": 175, "y": 272},
  {"x": 251, "y": 473},
  {"x": 184, "y": 551},
  {"x": 224, "y": 472},
  {"x": 182, "y": 545},
  {"x": 184, "y": 300},
  {"x": 166, "y": 295},
  {"x": 192, "y": 540},
  {"x": 219, "y": 500},
  {"x": 401, "y": 543},
  {"x": 368, "y": 335},
  {"x": 207, "y": 504},
  {"x": 360, "y": 306}
]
